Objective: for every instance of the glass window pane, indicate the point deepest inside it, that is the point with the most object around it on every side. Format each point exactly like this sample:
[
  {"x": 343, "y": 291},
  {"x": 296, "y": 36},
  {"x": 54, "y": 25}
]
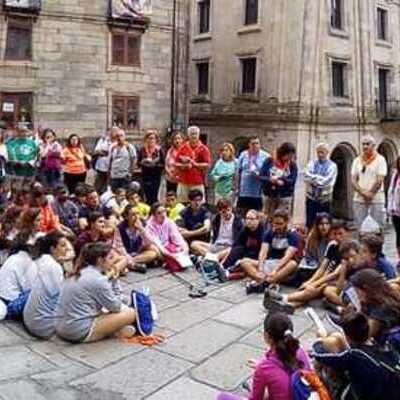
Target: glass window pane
[
  {"x": 19, "y": 43},
  {"x": 133, "y": 50},
  {"x": 118, "y": 48}
]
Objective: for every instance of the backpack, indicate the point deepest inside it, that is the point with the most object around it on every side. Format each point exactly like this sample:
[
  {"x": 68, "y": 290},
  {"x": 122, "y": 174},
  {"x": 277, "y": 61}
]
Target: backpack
[
  {"x": 178, "y": 262},
  {"x": 306, "y": 385},
  {"x": 210, "y": 269}
]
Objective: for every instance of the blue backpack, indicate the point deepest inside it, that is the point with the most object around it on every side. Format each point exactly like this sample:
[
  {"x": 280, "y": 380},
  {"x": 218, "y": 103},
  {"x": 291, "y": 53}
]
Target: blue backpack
[{"x": 306, "y": 385}]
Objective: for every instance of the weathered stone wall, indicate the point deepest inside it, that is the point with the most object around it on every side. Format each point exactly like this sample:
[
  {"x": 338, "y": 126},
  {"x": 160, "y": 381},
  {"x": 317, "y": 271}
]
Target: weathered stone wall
[{"x": 71, "y": 74}]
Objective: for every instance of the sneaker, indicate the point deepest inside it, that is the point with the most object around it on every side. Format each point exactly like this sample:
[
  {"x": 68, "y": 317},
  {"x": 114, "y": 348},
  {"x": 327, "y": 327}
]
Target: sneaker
[
  {"x": 271, "y": 295},
  {"x": 255, "y": 287},
  {"x": 126, "y": 332},
  {"x": 280, "y": 306},
  {"x": 144, "y": 318},
  {"x": 139, "y": 268},
  {"x": 335, "y": 321}
]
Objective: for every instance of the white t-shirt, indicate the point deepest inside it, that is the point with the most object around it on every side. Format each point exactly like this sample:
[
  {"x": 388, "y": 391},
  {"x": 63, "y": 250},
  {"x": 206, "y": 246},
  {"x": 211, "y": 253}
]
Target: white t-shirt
[{"x": 367, "y": 177}]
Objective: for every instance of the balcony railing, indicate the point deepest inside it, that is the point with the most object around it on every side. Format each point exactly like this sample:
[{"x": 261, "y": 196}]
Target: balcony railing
[{"x": 388, "y": 110}]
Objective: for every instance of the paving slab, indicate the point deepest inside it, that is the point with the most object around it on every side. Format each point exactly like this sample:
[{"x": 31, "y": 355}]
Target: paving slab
[
  {"x": 52, "y": 352},
  {"x": 247, "y": 315},
  {"x": 190, "y": 313},
  {"x": 9, "y": 338},
  {"x": 19, "y": 361},
  {"x": 234, "y": 292},
  {"x": 183, "y": 389},
  {"x": 163, "y": 303},
  {"x": 136, "y": 376},
  {"x": 21, "y": 390},
  {"x": 201, "y": 341},
  {"x": 100, "y": 354},
  {"x": 228, "y": 369},
  {"x": 19, "y": 330},
  {"x": 62, "y": 375},
  {"x": 156, "y": 284}
]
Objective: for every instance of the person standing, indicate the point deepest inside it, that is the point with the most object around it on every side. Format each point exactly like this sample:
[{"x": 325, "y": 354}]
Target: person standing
[
  {"x": 394, "y": 202},
  {"x": 50, "y": 154},
  {"x": 74, "y": 159},
  {"x": 101, "y": 159},
  {"x": 192, "y": 160},
  {"x": 249, "y": 166},
  {"x": 224, "y": 173},
  {"x": 171, "y": 172},
  {"x": 279, "y": 174},
  {"x": 122, "y": 162},
  {"x": 320, "y": 178},
  {"x": 151, "y": 160},
  {"x": 368, "y": 172}
]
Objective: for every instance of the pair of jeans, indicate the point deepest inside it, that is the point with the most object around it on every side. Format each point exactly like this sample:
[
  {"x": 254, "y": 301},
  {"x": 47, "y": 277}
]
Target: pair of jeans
[
  {"x": 117, "y": 183},
  {"x": 361, "y": 210},
  {"x": 313, "y": 208}
]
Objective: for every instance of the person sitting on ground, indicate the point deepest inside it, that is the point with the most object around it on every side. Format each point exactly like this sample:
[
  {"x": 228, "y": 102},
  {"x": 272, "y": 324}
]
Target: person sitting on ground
[
  {"x": 79, "y": 196},
  {"x": 135, "y": 200},
  {"x": 174, "y": 208},
  {"x": 277, "y": 258},
  {"x": 17, "y": 277},
  {"x": 31, "y": 224},
  {"x": 316, "y": 244},
  {"x": 114, "y": 201},
  {"x": 93, "y": 288},
  {"x": 272, "y": 373},
  {"x": 360, "y": 359},
  {"x": 10, "y": 225},
  {"x": 91, "y": 204},
  {"x": 66, "y": 210},
  {"x": 380, "y": 302},
  {"x": 372, "y": 253},
  {"x": 226, "y": 228},
  {"x": 328, "y": 271},
  {"x": 246, "y": 248},
  {"x": 164, "y": 233},
  {"x": 195, "y": 218},
  {"x": 39, "y": 312},
  {"x": 130, "y": 241}
]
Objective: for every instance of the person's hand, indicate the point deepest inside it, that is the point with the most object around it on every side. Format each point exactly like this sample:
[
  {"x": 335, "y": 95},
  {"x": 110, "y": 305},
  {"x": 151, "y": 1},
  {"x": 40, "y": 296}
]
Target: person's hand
[
  {"x": 139, "y": 224},
  {"x": 252, "y": 363},
  {"x": 321, "y": 333}
]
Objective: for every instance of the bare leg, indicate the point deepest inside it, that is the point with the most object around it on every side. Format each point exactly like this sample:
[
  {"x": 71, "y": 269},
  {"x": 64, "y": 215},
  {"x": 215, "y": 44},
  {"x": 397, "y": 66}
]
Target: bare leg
[
  {"x": 145, "y": 257},
  {"x": 200, "y": 248},
  {"x": 251, "y": 268},
  {"x": 222, "y": 255},
  {"x": 282, "y": 273},
  {"x": 306, "y": 295},
  {"x": 331, "y": 294},
  {"x": 107, "y": 325}
]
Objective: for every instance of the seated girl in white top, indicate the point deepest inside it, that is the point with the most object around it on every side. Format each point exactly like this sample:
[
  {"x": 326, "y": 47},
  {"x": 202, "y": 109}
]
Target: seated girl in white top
[{"x": 39, "y": 312}]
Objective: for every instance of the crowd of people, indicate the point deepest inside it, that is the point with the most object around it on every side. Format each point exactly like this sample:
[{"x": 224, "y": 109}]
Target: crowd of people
[{"x": 64, "y": 244}]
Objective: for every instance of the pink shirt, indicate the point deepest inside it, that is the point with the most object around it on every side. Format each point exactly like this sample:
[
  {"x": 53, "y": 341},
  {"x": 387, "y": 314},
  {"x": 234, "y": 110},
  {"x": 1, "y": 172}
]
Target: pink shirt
[{"x": 271, "y": 375}]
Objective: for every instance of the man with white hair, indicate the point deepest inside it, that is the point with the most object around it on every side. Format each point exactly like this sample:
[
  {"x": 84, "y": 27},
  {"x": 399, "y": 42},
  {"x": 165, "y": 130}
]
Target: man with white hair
[
  {"x": 192, "y": 161},
  {"x": 320, "y": 177},
  {"x": 367, "y": 175}
]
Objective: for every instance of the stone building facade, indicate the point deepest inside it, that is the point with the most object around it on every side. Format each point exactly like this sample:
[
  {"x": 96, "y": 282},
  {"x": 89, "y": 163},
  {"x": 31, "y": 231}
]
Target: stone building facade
[
  {"x": 303, "y": 71},
  {"x": 69, "y": 65}
]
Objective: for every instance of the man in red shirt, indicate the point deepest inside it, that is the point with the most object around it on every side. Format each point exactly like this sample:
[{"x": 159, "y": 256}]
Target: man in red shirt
[{"x": 193, "y": 159}]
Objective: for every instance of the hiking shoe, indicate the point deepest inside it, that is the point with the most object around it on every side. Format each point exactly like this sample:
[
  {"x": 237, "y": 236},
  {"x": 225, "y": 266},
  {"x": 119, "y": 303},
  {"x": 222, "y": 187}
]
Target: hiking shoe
[
  {"x": 144, "y": 317},
  {"x": 139, "y": 268},
  {"x": 280, "y": 306},
  {"x": 271, "y": 295},
  {"x": 255, "y": 287},
  {"x": 335, "y": 321},
  {"x": 333, "y": 308}
]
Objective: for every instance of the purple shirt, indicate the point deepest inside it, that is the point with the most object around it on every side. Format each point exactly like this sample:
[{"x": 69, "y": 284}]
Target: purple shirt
[{"x": 271, "y": 375}]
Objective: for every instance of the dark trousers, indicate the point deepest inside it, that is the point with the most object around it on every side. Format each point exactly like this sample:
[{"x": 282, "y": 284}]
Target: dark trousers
[
  {"x": 150, "y": 189},
  {"x": 117, "y": 183},
  {"x": 236, "y": 254},
  {"x": 396, "y": 224},
  {"x": 313, "y": 208},
  {"x": 101, "y": 181},
  {"x": 51, "y": 177},
  {"x": 245, "y": 204},
  {"x": 171, "y": 186},
  {"x": 72, "y": 180}
]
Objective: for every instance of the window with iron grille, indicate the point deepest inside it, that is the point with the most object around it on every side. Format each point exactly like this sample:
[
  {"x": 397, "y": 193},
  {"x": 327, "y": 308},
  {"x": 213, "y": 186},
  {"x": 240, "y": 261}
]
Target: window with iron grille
[
  {"x": 125, "y": 48},
  {"x": 125, "y": 112},
  {"x": 204, "y": 16},
  {"x": 202, "y": 78},
  {"x": 251, "y": 16},
  {"x": 339, "y": 79},
  {"x": 19, "y": 39},
  {"x": 382, "y": 21},
  {"x": 337, "y": 14},
  {"x": 249, "y": 71}
]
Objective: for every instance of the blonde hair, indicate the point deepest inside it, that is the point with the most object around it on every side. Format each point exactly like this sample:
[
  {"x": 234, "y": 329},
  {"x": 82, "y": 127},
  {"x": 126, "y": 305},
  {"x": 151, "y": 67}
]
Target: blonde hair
[
  {"x": 151, "y": 132},
  {"x": 231, "y": 148}
]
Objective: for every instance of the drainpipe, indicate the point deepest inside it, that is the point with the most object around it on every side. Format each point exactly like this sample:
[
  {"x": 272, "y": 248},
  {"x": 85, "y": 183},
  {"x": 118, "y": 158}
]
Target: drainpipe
[{"x": 173, "y": 54}]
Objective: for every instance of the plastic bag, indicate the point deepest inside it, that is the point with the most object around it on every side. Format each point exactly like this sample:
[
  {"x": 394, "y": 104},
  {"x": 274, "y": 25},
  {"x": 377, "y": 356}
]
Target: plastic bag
[{"x": 369, "y": 225}]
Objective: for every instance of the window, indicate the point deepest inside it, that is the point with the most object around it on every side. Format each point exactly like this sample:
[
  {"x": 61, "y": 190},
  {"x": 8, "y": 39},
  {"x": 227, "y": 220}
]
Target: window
[
  {"x": 204, "y": 16},
  {"x": 125, "y": 112},
  {"x": 337, "y": 14},
  {"x": 249, "y": 67},
  {"x": 382, "y": 21},
  {"x": 251, "y": 16},
  {"x": 202, "y": 78},
  {"x": 16, "y": 108},
  {"x": 125, "y": 48},
  {"x": 339, "y": 79},
  {"x": 19, "y": 40}
]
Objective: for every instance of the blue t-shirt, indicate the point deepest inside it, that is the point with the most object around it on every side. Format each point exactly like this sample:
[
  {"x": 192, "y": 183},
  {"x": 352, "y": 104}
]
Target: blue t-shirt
[
  {"x": 278, "y": 244},
  {"x": 384, "y": 266},
  {"x": 249, "y": 167},
  {"x": 192, "y": 221}
]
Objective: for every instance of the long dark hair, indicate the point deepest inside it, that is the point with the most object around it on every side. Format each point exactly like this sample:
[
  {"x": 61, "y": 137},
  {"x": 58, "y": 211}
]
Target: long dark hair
[
  {"x": 90, "y": 255},
  {"x": 44, "y": 244},
  {"x": 314, "y": 238},
  {"x": 377, "y": 290},
  {"x": 69, "y": 140},
  {"x": 280, "y": 329}
]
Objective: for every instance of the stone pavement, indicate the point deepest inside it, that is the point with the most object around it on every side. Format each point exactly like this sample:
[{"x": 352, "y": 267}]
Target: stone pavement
[{"x": 208, "y": 343}]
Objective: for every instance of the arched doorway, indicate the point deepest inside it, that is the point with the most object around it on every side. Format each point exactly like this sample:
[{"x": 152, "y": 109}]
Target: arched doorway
[
  {"x": 388, "y": 150},
  {"x": 342, "y": 204}
]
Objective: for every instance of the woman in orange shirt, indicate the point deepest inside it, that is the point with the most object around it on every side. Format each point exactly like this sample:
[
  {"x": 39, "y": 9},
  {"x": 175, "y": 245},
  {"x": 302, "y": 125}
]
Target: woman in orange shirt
[{"x": 74, "y": 159}]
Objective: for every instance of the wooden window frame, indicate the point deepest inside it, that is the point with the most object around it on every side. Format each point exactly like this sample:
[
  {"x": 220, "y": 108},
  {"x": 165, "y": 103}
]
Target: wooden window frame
[
  {"x": 126, "y": 36},
  {"x": 23, "y": 24},
  {"x": 204, "y": 23},
  {"x": 248, "y": 15},
  {"x": 126, "y": 99}
]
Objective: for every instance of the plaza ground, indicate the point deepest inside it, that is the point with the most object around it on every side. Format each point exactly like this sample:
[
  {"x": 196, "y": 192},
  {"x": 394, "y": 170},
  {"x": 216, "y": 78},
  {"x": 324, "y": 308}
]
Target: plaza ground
[{"x": 208, "y": 343}]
